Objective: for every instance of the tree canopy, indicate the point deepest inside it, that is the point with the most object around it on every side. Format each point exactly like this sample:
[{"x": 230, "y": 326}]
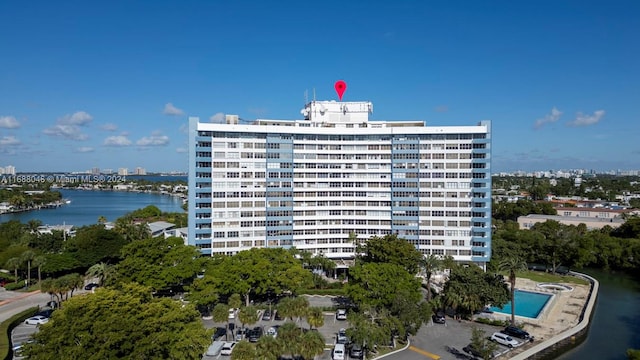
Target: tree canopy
[
  {"x": 121, "y": 324},
  {"x": 255, "y": 271},
  {"x": 159, "y": 263},
  {"x": 391, "y": 249}
]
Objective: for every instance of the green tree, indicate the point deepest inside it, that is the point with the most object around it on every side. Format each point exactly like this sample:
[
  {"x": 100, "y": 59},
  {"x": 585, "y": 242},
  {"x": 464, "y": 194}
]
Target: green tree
[
  {"x": 102, "y": 271},
  {"x": 93, "y": 244},
  {"x": 14, "y": 264},
  {"x": 315, "y": 317},
  {"x": 289, "y": 338},
  {"x": 512, "y": 266},
  {"x": 481, "y": 343},
  {"x": 121, "y": 324},
  {"x": 61, "y": 287},
  {"x": 268, "y": 348},
  {"x": 311, "y": 344},
  {"x": 248, "y": 315},
  {"x": 220, "y": 314},
  {"x": 38, "y": 261},
  {"x": 474, "y": 288},
  {"x": 391, "y": 249},
  {"x": 244, "y": 350},
  {"x": 158, "y": 263},
  {"x": 430, "y": 264},
  {"x": 235, "y": 301},
  {"x": 377, "y": 284},
  {"x": 633, "y": 354},
  {"x": 255, "y": 271}
]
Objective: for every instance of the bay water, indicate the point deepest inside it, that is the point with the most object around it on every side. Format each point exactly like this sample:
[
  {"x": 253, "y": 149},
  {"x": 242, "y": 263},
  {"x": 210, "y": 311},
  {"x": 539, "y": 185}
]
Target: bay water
[{"x": 86, "y": 206}]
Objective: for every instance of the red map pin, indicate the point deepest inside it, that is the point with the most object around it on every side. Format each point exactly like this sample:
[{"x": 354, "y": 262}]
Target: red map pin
[{"x": 340, "y": 86}]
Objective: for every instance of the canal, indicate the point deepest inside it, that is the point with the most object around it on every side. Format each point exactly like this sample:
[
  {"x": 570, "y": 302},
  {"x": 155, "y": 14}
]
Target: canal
[{"x": 615, "y": 325}]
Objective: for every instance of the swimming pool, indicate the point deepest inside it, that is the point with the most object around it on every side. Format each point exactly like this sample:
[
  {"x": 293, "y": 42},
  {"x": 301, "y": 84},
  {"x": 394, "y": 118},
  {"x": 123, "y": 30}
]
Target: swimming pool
[{"x": 528, "y": 304}]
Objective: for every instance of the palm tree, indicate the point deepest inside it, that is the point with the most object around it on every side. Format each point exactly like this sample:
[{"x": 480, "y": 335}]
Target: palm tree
[
  {"x": 311, "y": 344},
  {"x": 102, "y": 271},
  {"x": 315, "y": 317},
  {"x": 430, "y": 264},
  {"x": 288, "y": 337},
  {"x": 243, "y": 350},
  {"x": 14, "y": 263},
  {"x": 299, "y": 307},
  {"x": 33, "y": 225},
  {"x": 28, "y": 257},
  {"x": 38, "y": 261},
  {"x": 512, "y": 265},
  {"x": 221, "y": 314},
  {"x": 248, "y": 315},
  {"x": 268, "y": 348}
]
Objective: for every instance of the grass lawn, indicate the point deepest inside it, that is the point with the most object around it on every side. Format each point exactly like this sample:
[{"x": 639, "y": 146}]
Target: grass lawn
[{"x": 539, "y": 276}]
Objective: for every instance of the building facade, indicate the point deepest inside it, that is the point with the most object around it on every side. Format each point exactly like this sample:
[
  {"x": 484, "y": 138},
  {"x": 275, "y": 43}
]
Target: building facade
[{"x": 336, "y": 177}]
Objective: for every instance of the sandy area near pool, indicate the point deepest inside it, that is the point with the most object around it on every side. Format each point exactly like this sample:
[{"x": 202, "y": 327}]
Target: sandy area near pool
[{"x": 561, "y": 313}]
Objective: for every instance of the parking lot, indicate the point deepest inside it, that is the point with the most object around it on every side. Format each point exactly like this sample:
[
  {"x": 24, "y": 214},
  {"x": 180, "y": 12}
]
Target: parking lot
[
  {"x": 446, "y": 341},
  {"x": 329, "y": 330}
]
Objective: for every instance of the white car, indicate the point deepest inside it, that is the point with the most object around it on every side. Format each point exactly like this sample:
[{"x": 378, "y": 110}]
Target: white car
[
  {"x": 341, "y": 314},
  {"x": 37, "y": 320},
  {"x": 232, "y": 314},
  {"x": 227, "y": 348},
  {"x": 504, "y": 339}
]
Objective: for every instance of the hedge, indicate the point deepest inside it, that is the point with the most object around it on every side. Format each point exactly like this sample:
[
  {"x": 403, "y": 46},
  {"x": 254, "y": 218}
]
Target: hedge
[{"x": 5, "y": 331}]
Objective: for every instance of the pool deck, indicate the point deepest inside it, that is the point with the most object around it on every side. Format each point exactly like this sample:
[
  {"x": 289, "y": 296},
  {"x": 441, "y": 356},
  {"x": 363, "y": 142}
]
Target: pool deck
[{"x": 560, "y": 314}]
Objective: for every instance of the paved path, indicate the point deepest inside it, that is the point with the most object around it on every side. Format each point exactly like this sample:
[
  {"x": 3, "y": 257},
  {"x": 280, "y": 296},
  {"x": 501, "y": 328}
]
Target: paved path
[{"x": 14, "y": 302}]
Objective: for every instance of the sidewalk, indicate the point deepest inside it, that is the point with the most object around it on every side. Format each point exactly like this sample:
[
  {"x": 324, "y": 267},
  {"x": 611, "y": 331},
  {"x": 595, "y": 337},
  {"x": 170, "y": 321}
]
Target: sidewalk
[{"x": 18, "y": 296}]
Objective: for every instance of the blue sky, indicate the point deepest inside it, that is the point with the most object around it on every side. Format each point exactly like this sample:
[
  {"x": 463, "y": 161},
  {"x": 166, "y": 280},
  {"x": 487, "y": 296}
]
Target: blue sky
[{"x": 111, "y": 84}]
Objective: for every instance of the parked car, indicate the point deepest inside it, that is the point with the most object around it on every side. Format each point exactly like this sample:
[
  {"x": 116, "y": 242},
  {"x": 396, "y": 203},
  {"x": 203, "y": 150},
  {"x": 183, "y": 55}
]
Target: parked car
[
  {"x": 341, "y": 314},
  {"x": 45, "y": 312},
  {"x": 220, "y": 332},
  {"x": 504, "y": 339},
  {"x": 37, "y": 320},
  {"x": 277, "y": 316},
  {"x": 517, "y": 332},
  {"x": 240, "y": 334},
  {"x": 273, "y": 332},
  {"x": 338, "y": 352},
  {"x": 266, "y": 315},
  {"x": 232, "y": 314},
  {"x": 341, "y": 337},
  {"x": 91, "y": 286},
  {"x": 469, "y": 349},
  {"x": 227, "y": 348},
  {"x": 255, "y": 334},
  {"x": 356, "y": 352},
  {"x": 438, "y": 318}
]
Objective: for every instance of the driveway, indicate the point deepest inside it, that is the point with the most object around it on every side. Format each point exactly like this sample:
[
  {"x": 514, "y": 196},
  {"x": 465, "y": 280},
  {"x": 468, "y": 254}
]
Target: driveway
[{"x": 444, "y": 341}]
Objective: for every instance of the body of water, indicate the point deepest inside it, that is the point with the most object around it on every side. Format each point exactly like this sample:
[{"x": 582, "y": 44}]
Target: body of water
[
  {"x": 528, "y": 304},
  {"x": 615, "y": 325},
  {"x": 87, "y": 206}
]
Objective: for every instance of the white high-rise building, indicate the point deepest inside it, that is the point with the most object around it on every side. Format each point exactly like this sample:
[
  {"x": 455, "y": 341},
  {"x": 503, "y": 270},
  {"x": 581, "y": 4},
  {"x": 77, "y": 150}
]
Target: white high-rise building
[
  {"x": 123, "y": 171},
  {"x": 312, "y": 183}
]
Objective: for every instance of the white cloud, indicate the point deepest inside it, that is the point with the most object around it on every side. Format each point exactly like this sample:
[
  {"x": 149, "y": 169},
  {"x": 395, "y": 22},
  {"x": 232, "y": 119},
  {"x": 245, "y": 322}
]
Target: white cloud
[
  {"x": 119, "y": 140},
  {"x": 69, "y": 126},
  {"x": 156, "y": 139},
  {"x": 181, "y": 150},
  {"x": 109, "y": 127},
  {"x": 171, "y": 110},
  {"x": 549, "y": 118},
  {"x": 84, "y": 149},
  {"x": 586, "y": 120},
  {"x": 217, "y": 118},
  {"x": 9, "y": 141},
  {"x": 77, "y": 118},
  {"x": 9, "y": 122}
]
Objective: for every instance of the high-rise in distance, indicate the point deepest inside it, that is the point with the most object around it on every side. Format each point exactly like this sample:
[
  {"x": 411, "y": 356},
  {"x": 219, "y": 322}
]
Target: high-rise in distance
[{"x": 336, "y": 176}]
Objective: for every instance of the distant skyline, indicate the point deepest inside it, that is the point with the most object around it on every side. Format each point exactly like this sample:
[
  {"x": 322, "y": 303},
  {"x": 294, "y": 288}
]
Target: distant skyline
[{"x": 111, "y": 85}]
